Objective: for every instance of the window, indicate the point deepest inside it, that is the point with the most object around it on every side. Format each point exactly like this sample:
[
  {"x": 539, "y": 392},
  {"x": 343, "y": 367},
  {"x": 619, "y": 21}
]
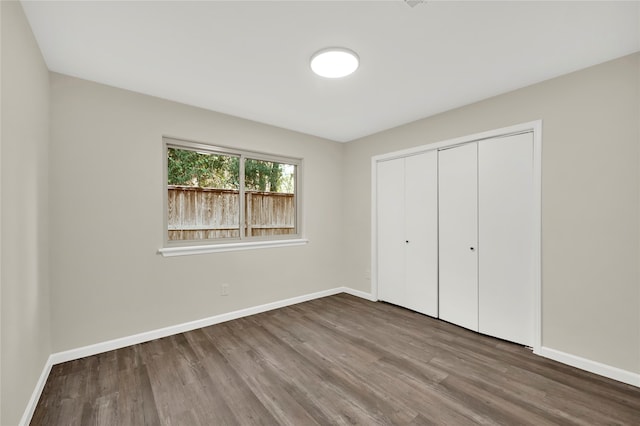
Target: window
[{"x": 221, "y": 195}]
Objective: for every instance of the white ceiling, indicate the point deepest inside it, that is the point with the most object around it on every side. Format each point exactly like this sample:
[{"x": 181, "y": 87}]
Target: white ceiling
[{"x": 251, "y": 59}]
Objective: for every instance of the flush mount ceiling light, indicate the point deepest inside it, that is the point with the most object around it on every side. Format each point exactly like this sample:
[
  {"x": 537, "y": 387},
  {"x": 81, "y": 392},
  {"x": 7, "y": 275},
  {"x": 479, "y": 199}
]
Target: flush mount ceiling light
[{"x": 334, "y": 62}]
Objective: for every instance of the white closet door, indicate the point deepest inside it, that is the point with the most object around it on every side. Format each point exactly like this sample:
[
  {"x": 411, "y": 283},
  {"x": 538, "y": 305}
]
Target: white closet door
[
  {"x": 506, "y": 237},
  {"x": 458, "y": 218},
  {"x": 391, "y": 241},
  {"x": 421, "y": 232}
]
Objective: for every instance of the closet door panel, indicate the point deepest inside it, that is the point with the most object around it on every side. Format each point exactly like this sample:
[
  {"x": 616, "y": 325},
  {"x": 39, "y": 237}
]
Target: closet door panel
[
  {"x": 506, "y": 239},
  {"x": 391, "y": 242},
  {"x": 421, "y": 225},
  {"x": 458, "y": 220}
]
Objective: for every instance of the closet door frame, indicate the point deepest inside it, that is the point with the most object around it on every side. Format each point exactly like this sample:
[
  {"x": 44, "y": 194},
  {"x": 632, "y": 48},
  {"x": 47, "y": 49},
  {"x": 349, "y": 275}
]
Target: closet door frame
[{"x": 534, "y": 127}]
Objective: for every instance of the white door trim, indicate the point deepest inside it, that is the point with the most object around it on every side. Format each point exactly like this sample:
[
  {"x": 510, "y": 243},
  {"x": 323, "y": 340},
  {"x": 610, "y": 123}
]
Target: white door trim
[{"x": 533, "y": 126}]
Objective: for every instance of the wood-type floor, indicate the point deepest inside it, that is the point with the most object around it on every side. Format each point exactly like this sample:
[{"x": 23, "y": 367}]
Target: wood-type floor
[{"x": 336, "y": 360}]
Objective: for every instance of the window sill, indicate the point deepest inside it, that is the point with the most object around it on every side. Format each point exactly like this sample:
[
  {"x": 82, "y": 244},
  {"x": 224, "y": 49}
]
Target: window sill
[{"x": 217, "y": 248}]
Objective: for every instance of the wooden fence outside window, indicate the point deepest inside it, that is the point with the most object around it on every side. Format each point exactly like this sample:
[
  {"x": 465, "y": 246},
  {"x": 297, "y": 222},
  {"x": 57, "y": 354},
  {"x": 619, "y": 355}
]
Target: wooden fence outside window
[{"x": 208, "y": 213}]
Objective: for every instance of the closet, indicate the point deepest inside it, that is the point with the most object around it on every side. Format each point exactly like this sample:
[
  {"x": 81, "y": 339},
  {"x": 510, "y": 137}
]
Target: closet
[
  {"x": 469, "y": 209},
  {"x": 458, "y": 212},
  {"x": 407, "y": 196}
]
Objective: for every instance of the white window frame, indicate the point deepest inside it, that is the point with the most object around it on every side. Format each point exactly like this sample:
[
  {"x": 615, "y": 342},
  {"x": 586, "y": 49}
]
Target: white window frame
[{"x": 189, "y": 247}]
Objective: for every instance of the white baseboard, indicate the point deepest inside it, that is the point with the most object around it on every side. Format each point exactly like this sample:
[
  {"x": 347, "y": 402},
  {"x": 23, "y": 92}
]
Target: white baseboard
[
  {"x": 605, "y": 370},
  {"x": 35, "y": 396},
  {"x": 358, "y": 293},
  {"x": 147, "y": 336},
  {"x": 73, "y": 354},
  {"x": 123, "y": 342}
]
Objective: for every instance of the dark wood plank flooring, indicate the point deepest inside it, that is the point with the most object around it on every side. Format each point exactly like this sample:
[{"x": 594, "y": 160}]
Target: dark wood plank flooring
[{"x": 336, "y": 360}]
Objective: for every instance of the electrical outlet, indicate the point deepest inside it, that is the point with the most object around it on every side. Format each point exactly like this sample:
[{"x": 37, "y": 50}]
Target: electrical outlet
[
  {"x": 367, "y": 274},
  {"x": 224, "y": 290}
]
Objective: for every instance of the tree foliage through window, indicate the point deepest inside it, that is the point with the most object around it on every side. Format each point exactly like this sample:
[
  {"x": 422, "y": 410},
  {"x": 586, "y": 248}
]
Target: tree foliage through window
[{"x": 208, "y": 170}]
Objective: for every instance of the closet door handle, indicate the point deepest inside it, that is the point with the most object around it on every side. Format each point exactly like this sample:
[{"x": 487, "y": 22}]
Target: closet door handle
[{"x": 472, "y": 248}]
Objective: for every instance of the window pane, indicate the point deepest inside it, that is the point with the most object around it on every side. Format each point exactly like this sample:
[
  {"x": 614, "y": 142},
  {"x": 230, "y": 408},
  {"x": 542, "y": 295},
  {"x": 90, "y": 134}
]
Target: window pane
[
  {"x": 203, "y": 195},
  {"x": 270, "y": 205}
]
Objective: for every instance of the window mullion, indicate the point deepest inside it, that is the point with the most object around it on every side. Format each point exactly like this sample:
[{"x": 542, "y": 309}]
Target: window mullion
[{"x": 241, "y": 199}]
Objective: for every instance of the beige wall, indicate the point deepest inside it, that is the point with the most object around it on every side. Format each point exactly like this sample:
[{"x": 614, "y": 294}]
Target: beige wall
[
  {"x": 24, "y": 270},
  {"x": 107, "y": 209},
  {"x": 590, "y": 203}
]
